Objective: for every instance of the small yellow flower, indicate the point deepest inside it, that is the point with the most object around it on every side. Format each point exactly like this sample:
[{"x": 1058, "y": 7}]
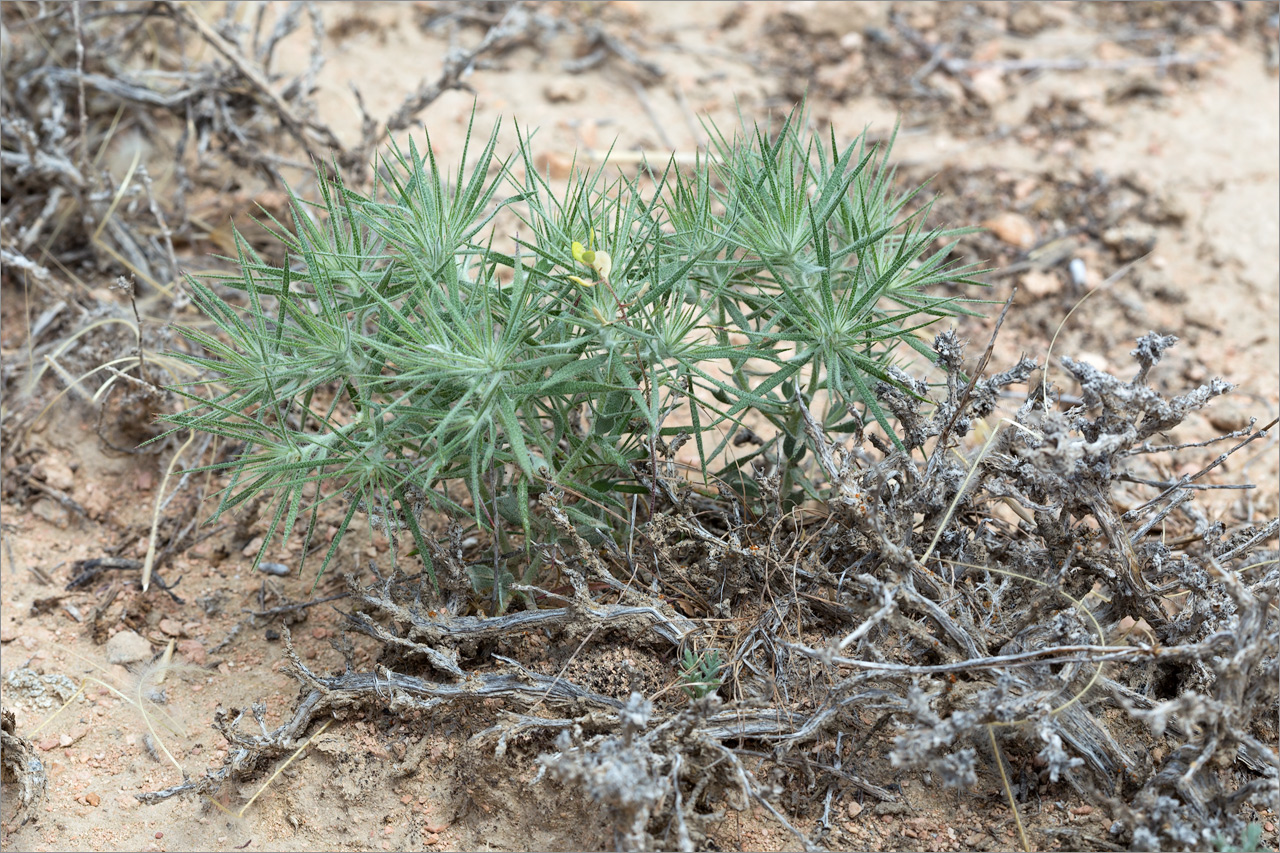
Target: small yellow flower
[
  {"x": 599, "y": 261},
  {"x": 581, "y": 282}
]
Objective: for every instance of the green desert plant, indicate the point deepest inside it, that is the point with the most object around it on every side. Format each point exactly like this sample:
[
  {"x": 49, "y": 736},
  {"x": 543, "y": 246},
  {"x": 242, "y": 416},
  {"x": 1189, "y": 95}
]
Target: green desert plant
[
  {"x": 398, "y": 358},
  {"x": 701, "y": 672},
  {"x": 1250, "y": 841}
]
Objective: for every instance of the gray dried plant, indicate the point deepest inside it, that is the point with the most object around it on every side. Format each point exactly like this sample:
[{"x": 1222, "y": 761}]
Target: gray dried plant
[{"x": 977, "y": 602}]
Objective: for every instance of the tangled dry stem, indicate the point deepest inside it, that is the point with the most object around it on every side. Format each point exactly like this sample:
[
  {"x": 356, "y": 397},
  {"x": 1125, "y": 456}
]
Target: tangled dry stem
[{"x": 911, "y": 598}]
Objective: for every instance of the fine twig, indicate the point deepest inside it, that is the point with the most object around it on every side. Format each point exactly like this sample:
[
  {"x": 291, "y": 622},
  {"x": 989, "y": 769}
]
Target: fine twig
[
  {"x": 1069, "y": 64},
  {"x": 977, "y": 373},
  {"x": 457, "y": 66},
  {"x": 296, "y": 127}
]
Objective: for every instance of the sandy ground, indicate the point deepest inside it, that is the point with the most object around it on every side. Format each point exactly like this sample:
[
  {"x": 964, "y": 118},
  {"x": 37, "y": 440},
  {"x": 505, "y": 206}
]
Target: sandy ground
[{"x": 1088, "y": 141}]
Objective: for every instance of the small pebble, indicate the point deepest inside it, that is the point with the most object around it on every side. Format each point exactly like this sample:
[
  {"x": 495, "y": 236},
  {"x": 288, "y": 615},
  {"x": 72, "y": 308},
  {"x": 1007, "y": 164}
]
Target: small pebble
[
  {"x": 1227, "y": 417},
  {"x": 558, "y": 166},
  {"x": 159, "y": 835},
  {"x": 1012, "y": 228},
  {"x": 193, "y": 651},
  {"x": 127, "y": 647},
  {"x": 279, "y": 569},
  {"x": 564, "y": 92},
  {"x": 1079, "y": 272},
  {"x": 1041, "y": 284},
  {"x": 1082, "y": 810}
]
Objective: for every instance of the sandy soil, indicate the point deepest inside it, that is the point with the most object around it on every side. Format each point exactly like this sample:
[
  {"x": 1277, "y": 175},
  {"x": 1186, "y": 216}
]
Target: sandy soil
[{"x": 1061, "y": 130}]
